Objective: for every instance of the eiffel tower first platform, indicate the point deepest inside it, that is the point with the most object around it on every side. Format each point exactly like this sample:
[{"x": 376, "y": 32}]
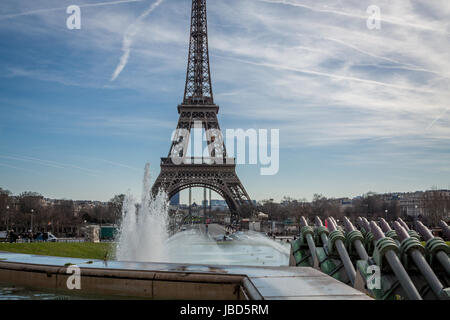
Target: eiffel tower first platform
[{"x": 216, "y": 172}]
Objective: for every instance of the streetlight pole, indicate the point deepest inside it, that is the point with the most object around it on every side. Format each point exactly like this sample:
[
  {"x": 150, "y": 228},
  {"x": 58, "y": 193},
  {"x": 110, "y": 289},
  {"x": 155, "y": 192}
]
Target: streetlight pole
[
  {"x": 31, "y": 225},
  {"x": 386, "y": 212},
  {"x": 7, "y": 218},
  {"x": 415, "y": 215}
]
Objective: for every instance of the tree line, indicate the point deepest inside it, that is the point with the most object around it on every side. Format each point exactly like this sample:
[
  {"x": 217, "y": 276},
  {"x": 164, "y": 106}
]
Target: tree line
[
  {"x": 66, "y": 217},
  {"x": 60, "y": 217},
  {"x": 433, "y": 206}
]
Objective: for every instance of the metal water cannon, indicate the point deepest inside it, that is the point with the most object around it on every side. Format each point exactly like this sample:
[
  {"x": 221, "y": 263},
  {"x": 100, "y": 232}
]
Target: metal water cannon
[
  {"x": 321, "y": 231},
  {"x": 368, "y": 235},
  {"x": 445, "y": 229},
  {"x": 354, "y": 240},
  {"x": 402, "y": 223},
  {"x": 336, "y": 224},
  {"x": 307, "y": 233},
  {"x": 412, "y": 233},
  {"x": 386, "y": 250},
  {"x": 335, "y": 243},
  {"x": 388, "y": 230},
  {"x": 435, "y": 247},
  {"x": 330, "y": 263},
  {"x": 366, "y": 223},
  {"x": 411, "y": 250},
  {"x": 362, "y": 226}
]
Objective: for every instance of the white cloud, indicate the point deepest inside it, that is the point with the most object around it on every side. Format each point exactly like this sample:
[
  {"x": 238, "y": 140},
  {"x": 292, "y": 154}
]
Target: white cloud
[
  {"x": 330, "y": 79},
  {"x": 40, "y": 11},
  {"x": 360, "y": 14},
  {"x": 130, "y": 33}
]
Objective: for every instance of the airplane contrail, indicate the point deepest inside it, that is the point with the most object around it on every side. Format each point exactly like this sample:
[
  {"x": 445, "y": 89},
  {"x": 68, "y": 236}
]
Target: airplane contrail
[
  {"x": 52, "y": 164},
  {"x": 391, "y": 20},
  {"x": 14, "y": 15},
  {"x": 112, "y": 163},
  {"x": 437, "y": 119},
  {"x": 404, "y": 66},
  {"x": 18, "y": 168},
  {"x": 27, "y": 159},
  {"x": 132, "y": 30},
  {"x": 326, "y": 74}
]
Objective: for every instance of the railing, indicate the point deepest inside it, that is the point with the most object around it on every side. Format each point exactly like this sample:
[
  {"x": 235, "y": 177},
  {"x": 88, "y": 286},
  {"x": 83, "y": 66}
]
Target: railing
[
  {"x": 49, "y": 240},
  {"x": 201, "y": 161}
]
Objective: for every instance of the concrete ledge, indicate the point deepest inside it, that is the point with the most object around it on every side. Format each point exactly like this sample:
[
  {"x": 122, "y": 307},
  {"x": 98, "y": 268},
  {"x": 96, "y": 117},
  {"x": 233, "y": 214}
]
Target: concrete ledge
[
  {"x": 128, "y": 283},
  {"x": 151, "y": 280}
]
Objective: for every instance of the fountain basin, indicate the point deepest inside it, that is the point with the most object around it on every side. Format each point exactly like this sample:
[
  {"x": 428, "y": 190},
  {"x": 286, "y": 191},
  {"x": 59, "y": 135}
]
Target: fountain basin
[{"x": 173, "y": 281}]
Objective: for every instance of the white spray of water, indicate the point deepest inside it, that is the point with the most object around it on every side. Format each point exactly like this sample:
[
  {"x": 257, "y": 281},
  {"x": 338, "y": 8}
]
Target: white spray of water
[
  {"x": 144, "y": 229},
  {"x": 143, "y": 236}
]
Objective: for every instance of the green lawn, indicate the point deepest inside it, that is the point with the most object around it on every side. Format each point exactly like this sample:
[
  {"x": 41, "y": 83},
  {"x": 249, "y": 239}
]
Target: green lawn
[{"x": 85, "y": 250}]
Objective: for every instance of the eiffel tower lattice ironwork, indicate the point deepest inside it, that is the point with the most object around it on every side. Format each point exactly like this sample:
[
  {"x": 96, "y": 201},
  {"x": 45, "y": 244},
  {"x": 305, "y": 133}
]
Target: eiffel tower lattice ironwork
[{"x": 216, "y": 172}]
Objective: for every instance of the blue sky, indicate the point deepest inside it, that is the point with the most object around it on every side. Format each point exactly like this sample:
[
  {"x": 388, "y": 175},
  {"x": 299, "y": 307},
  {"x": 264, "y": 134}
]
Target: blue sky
[{"x": 357, "y": 109}]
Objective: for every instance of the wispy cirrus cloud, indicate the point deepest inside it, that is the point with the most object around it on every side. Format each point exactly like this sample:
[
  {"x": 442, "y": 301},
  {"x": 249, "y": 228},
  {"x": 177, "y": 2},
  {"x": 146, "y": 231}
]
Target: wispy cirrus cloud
[
  {"x": 52, "y": 164},
  {"x": 437, "y": 118},
  {"x": 278, "y": 53},
  {"x": 86, "y": 5},
  {"x": 310, "y": 68},
  {"x": 18, "y": 168},
  {"x": 360, "y": 14},
  {"x": 130, "y": 33}
]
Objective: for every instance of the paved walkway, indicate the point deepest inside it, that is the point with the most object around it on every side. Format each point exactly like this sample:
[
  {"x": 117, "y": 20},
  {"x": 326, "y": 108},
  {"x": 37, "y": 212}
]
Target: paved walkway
[{"x": 213, "y": 230}]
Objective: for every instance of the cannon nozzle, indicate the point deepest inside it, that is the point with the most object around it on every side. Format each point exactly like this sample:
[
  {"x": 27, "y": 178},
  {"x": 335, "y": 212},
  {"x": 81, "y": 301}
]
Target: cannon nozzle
[
  {"x": 303, "y": 221},
  {"x": 366, "y": 224},
  {"x": 445, "y": 229},
  {"x": 318, "y": 222},
  {"x": 376, "y": 231},
  {"x": 401, "y": 231},
  {"x": 331, "y": 224},
  {"x": 424, "y": 231},
  {"x": 348, "y": 225},
  {"x": 403, "y": 224},
  {"x": 360, "y": 223},
  {"x": 384, "y": 225}
]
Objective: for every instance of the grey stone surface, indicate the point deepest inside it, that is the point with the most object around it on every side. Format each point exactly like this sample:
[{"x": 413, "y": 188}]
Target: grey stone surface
[
  {"x": 271, "y": 282},
  {"x": 305, "y": 287}
]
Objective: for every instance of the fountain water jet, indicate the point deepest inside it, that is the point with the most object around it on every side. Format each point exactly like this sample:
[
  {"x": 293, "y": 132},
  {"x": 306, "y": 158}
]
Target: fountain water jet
[
  {"x": 143, "y": 237},
  {"x": 144, "y": 229}
]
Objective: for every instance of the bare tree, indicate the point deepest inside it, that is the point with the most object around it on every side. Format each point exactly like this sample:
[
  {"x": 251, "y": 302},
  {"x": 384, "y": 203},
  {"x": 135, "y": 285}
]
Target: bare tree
[
  {"x": 4, "y": 207},
  {"x": 320, "y": 206},
  {"x": 436, "y": 205},
  {"x": 115, "y": 207}
]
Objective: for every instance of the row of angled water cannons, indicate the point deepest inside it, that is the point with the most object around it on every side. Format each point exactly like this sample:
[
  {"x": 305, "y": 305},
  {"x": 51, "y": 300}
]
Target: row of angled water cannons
[{"x": 383, "y": 261}]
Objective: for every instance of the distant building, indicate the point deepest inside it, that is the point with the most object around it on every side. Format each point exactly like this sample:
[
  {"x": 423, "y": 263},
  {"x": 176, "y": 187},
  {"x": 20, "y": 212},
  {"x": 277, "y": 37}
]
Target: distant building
[
  {"x": 195, "y": 210},
  {"x": 411, "y": 203},
  {"x": 219, "y": 205},
  {"x": 175, "y": 200},
  {"x": 344, "y": 203}
]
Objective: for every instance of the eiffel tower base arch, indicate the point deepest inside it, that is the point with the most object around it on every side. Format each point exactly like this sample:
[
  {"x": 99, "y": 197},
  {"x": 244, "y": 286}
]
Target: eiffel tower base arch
[{"x": 220, "y": 178}]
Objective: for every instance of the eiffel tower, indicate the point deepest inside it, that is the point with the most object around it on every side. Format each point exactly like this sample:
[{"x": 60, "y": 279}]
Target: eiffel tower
[{"x": 216, "y": 171}]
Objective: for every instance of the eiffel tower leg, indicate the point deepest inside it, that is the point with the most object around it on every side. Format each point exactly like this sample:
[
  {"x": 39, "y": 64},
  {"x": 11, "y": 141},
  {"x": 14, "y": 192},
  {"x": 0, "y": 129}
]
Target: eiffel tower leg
[{"x": 190, "y": 202}]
